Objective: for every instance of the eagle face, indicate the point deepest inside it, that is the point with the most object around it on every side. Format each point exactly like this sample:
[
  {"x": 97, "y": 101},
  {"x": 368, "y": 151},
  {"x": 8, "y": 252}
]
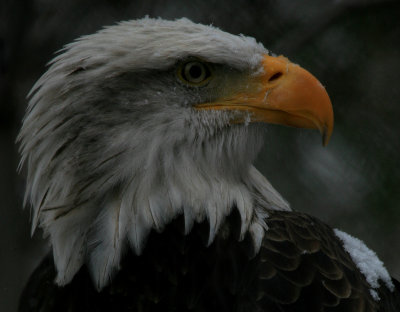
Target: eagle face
[{"x": 151, "y": 119}]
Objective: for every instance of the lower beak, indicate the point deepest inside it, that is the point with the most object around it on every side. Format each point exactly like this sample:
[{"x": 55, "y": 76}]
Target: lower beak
[{"x": 284, "y": 93}]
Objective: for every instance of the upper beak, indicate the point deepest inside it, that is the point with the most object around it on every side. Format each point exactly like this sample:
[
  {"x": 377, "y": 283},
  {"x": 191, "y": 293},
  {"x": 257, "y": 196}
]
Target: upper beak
[{"x": 284, "y": 93}]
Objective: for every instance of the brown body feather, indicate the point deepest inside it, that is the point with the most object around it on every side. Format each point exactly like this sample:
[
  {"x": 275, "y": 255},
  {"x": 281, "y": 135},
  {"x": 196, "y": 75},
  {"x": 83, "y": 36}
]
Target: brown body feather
[{"x": 301, "y": 266}]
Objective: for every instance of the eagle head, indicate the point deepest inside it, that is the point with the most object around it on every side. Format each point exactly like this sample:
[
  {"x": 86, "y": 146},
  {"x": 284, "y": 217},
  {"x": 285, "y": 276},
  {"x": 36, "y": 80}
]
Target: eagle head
[{"x": 150, "y": 119}]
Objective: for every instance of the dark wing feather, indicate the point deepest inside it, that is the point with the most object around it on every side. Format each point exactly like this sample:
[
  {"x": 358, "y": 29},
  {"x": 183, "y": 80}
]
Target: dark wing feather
[
  {"x": 301, "y": 267},
  {"x": 315, "y": 272}
]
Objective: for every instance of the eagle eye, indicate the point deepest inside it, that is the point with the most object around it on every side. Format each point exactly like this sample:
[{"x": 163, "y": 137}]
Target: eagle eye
[{"x": 194, "y": 73}]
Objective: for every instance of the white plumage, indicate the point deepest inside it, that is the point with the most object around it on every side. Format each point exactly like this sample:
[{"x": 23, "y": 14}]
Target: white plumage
[{"x": 114, "y": 148}]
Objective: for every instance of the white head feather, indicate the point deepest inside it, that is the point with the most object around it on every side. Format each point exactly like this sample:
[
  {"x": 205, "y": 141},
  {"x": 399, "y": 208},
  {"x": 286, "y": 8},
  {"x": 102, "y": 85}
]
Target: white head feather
[{"x": 114, "y": 148}]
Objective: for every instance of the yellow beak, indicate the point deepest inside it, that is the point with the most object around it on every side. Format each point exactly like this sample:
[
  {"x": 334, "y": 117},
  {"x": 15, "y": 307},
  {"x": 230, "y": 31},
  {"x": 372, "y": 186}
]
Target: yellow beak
[{"x": 284, "y": 93}]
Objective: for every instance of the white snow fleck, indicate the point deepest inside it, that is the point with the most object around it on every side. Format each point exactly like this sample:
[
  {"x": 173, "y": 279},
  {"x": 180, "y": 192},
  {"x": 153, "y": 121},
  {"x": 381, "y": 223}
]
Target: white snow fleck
[
  {"x": 367, "y": 262},
  {"x": 374, "y": 295}
]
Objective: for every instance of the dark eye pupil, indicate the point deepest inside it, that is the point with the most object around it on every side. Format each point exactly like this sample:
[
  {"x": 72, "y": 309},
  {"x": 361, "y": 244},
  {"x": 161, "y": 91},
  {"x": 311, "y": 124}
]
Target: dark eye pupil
[{"x": 195, "y": 71}]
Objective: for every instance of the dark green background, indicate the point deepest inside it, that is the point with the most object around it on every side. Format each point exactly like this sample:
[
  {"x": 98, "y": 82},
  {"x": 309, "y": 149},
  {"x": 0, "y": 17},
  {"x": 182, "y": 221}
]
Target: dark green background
[{"x": 352, "y": 46}]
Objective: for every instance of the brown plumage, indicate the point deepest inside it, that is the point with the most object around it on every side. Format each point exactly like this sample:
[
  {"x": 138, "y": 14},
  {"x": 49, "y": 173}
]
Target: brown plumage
[{"x": 301, "y": 266}]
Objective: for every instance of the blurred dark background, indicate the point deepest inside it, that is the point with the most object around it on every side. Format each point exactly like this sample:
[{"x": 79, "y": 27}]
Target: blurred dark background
[{"x": 352, "y": 46}]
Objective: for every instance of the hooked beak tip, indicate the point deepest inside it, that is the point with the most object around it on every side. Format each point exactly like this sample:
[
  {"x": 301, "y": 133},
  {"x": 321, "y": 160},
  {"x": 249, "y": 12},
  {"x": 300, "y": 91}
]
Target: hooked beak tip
[{"x": 326, "y": 135}]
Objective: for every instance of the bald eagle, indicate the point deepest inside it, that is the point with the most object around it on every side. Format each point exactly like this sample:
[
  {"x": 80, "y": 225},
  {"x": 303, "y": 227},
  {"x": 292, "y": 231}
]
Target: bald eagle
[{"x": 139, "y": 142}]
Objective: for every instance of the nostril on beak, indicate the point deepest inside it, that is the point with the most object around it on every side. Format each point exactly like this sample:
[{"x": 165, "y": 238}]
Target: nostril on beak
[{"x": 275, "y": 76}]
